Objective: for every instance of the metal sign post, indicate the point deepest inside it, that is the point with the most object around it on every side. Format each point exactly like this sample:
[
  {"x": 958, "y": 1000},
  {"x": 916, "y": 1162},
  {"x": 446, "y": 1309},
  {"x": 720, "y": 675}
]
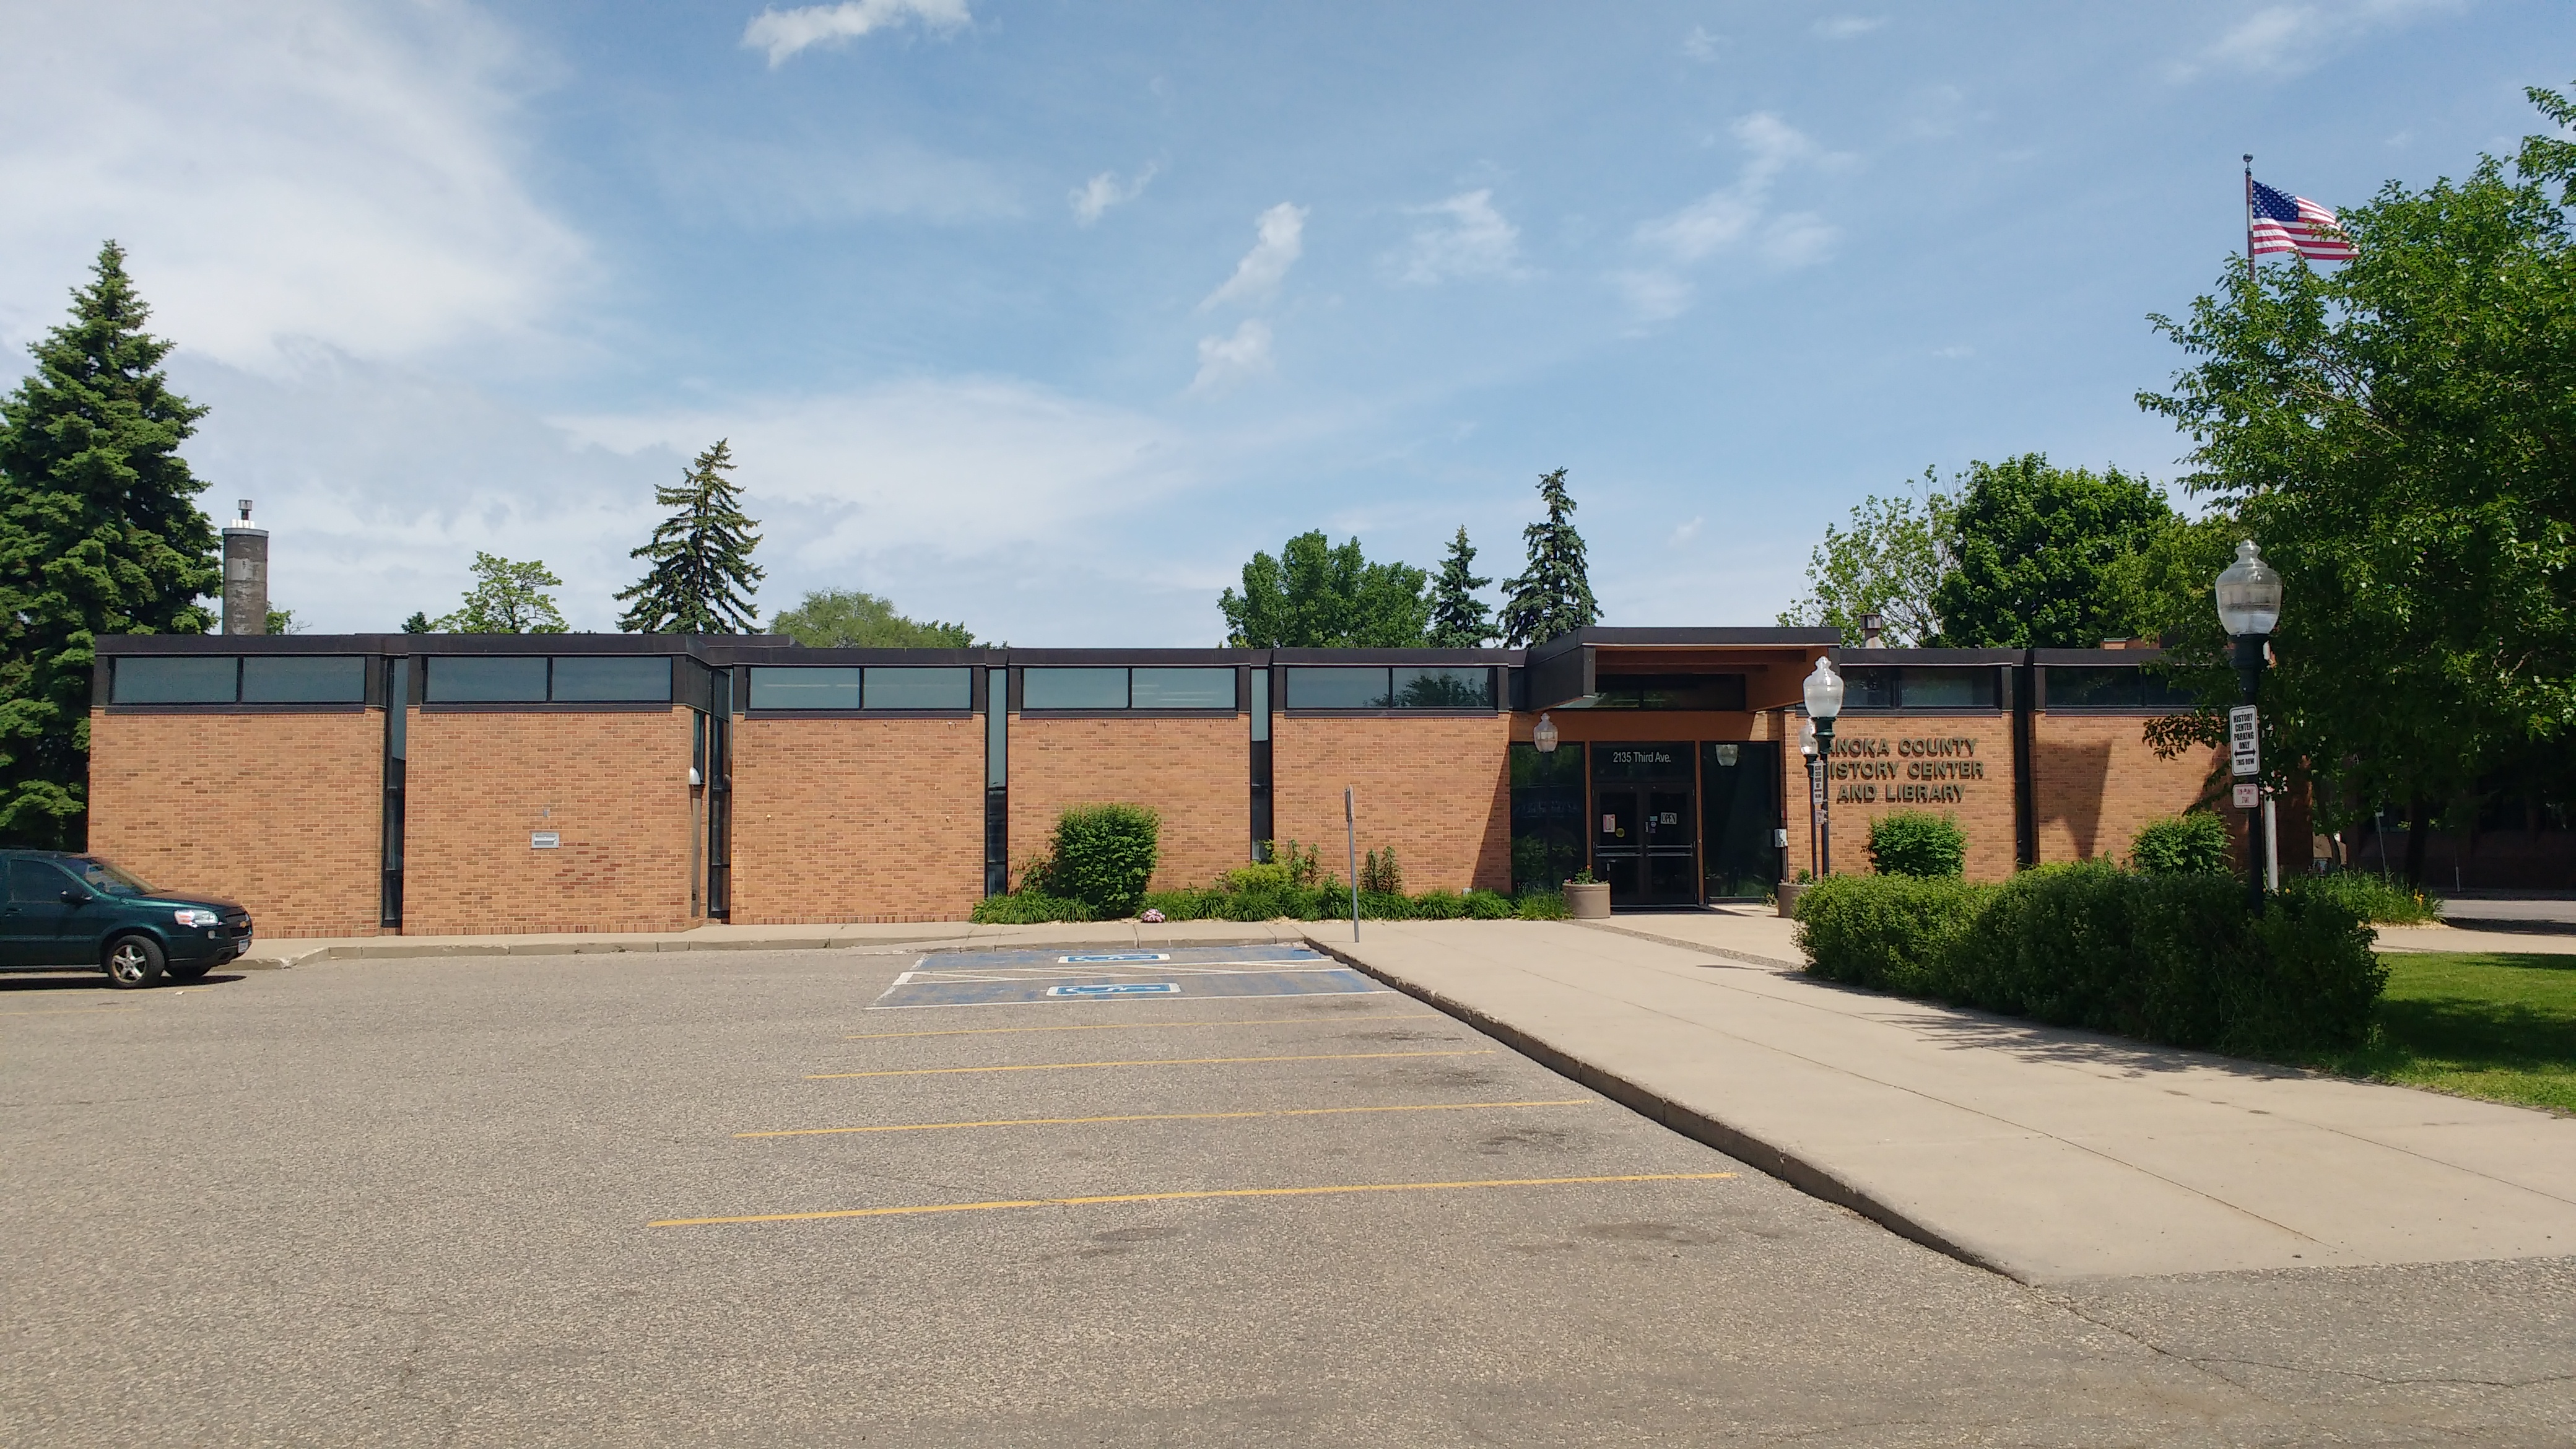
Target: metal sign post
[
  {"x": 1351, "y": 837},
  {"x": 2245, "y": 763}
]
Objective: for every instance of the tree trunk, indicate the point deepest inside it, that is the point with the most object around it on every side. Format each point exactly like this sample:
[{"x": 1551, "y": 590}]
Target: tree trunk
[{"x": 2419, "y": 824}]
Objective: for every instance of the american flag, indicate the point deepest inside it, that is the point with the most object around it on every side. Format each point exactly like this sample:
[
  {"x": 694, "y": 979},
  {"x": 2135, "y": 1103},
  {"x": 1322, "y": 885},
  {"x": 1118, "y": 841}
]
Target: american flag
[{"x": 2282, "y": 223}]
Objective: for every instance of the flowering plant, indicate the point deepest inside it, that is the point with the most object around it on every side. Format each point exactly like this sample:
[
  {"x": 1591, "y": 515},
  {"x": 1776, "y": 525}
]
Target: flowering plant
[{"x": 1151, "y": 917}]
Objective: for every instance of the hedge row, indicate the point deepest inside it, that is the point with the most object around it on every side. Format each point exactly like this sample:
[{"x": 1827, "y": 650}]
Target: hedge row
[
  {"x": 2167, "y": 958},
  {"x": 1293, "y": 902}
]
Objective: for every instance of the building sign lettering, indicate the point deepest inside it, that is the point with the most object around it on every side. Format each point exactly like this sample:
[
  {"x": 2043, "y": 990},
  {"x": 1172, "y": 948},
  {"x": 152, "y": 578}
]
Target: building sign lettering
[{"x": 1927, "y": 770}]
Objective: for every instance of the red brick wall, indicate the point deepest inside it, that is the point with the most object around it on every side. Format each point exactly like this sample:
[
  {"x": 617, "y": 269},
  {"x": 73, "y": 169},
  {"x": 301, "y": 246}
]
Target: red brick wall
[
  {"x": 1438, "y": 789},
  {"x": 281, "y": 812},
  {"x": 1958, "y": 765},
  {"x": 1197, "y": 773},
  {"x": 857, "y": 819},
  {"x": 615, "y": 785},
  {"x": 2095, "y": 782}
]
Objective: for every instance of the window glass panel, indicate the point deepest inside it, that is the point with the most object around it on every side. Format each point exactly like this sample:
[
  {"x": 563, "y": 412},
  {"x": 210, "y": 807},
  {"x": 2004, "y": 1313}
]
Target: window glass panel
[
  {"x": 1869, "y": 689},
  {"x": 309, "y": 679},
  {"x": 1444, "y": 688},
  {"x": 502, "y": 679},
  {"x": 590, "y": 679},
  {"x": 176, "y": 681},
  {"x": 1318, "y": 687},
  {"x": 920, "y": 689},
  {"x": 1260, "y": 704},
  {"x": 1073, "y": 689},
  {"x": 1972, "y": 688},
  {"x": 2155, "y": 691},
  {"x": 2092, "y": 688},
  {"x": 1183, "y": 688},
  {"x": 788, "y": 688},
  {"x": 1670, "y": 691},
  {"x": 37, "y": 882}
]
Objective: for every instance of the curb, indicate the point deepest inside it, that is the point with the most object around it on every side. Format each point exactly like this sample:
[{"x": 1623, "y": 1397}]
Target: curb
[
  {"x": 594, "y": 946},
  {"x": 1811, "y": 1178}
]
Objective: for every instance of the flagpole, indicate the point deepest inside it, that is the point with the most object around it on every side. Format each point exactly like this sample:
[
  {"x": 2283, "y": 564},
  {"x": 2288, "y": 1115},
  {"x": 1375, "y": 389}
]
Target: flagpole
[{"x": 2249, "y": 222}]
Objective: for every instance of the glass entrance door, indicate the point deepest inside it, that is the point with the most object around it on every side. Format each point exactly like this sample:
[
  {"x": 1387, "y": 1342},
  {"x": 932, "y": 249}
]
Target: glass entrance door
[{"x": 1646, "y": 824}]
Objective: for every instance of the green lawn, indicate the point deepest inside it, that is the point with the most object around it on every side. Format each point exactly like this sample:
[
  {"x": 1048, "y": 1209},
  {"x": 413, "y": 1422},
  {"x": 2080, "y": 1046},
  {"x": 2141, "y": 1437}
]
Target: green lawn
[{"x": 2499, "y": 1027}]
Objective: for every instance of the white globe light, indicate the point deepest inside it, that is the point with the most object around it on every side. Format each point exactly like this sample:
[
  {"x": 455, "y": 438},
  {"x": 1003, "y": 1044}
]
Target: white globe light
[
  {"x": 1543, "y": 735},
  {"x": 1824, "y": 691},
  {"x": 2249, "y": 593}
]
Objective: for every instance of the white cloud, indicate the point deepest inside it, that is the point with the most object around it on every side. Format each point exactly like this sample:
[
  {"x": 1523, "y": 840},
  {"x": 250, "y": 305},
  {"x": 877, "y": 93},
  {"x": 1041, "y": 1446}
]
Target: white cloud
[
  {"x": 1700, "y": 45},
  {"x": 1684, "y": 535},
  {"x": 2289, "y": 39},
  {"x": 1224, "y": 361},
  {"x": 1733, "y": 217},
  {"x": 321, "y": 170},
  {"x": 1280, "y": 240},
  {"x": 1093, "y": 198},
  {"x": 1469, "y": 239},
  {"x": 784, "y": 32},
  {"x": 1847, "y": 27}
]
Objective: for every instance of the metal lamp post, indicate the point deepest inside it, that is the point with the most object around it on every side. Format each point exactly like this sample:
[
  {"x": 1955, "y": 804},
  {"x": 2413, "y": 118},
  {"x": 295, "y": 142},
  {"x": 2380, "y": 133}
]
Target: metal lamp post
[
  {"x": 2249, "y": 608},
  {"x": 1815, "y": 790},
  {"x": 1824, "y": 690}
]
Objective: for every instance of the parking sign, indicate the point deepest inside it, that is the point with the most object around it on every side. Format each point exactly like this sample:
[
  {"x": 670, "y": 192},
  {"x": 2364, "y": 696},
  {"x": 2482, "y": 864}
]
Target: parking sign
[{"x": 2244, "y": 742}]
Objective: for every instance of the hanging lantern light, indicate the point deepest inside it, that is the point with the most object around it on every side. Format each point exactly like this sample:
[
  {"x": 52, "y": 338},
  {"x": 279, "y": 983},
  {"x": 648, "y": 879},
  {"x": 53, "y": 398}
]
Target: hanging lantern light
[{"x": 1543, "y": 735}]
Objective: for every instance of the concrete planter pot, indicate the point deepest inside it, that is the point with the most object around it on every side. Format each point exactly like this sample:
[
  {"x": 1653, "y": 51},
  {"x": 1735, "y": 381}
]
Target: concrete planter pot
[
  {"x": 1588, "y": 902},
  {"x": 1790, "y": 890}
]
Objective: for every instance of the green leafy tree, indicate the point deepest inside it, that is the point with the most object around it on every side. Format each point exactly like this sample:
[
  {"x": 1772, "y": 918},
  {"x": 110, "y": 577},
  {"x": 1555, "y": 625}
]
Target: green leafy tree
[
  {"x": 418, "y": 623},
  {"x": 702, "y": 577},
  {"x": 282, "y": 621},
  {"x": 1553, "y": 595},
  {"x": 2394, "y": 433},
  {"x": 2040, "y": 557},
  {"x": 852, "y": 619},
  {"x": 507, "y": 598},
  {"x": 1315, "y": 596},
  {"x": 1459, "y": 620},
  {"x": 1887, "y": 563},
  {"x": 99, "y": 534}
]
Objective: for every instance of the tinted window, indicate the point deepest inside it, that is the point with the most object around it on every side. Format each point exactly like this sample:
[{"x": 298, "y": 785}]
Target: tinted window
[
  {"x": 1444, "y": 688},
  {"x": 1869, "y": 689},
  {"x": 2114, "y": 687},
  {"x": 1674, "y": 691},
  {"x": 1073, "y": 689},
  {"x": 598, "y": 681},
  {"x": 324, "y": 679},
  {"x": 833, "y": 688},
  {"x": 920, "y": 689},
  {"x": 1327, "y": 688},
  {"x": 176, "y": 681},
  {"x": 1946, "y": 688},
  {"x": 1183, "y": 689},
  {"x": 31, "y": 881},
  {"x": 463, "y": 679},
  {"x": 106, "y": 879}
]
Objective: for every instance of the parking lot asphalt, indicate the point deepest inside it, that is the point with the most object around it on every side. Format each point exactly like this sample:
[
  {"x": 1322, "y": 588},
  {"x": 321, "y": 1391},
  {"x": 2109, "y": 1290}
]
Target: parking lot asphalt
[{"x": 888, "y": 1199}]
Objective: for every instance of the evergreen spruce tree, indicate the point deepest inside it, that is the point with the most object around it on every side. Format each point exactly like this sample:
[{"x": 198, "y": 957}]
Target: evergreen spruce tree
[
  {"x": 99, "y": 534},
  {"x": 1459, "y": 620},
  {"x": 702, "y": 577},
  {"x": 1554, "y": 595}
]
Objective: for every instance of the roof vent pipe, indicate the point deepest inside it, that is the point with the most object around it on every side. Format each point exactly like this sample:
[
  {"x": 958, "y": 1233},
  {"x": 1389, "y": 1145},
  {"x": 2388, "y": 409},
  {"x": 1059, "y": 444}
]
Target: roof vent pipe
[{"x": 245, "y": 575}]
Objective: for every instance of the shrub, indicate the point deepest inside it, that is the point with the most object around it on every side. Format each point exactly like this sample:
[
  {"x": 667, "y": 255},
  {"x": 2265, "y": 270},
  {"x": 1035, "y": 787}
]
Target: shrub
[
  {"x": 1103, "y": 856},
  {"x": 2172, "y": 958},
  {"x": 1488, "y": 906},
  {"x": 1261, "y": 876},
  {"x": 1304, "y": 868},
  {"x": 1380, "y": 875},
  {"x": 2192, "y": 844},
  {"x": 1439, "y": 906},
  {"x": 1538, "y": 905},
  {"x": 2369, "y": 896},
  {"x": 1025, "y": 907},
  {"x": 1917, "y": 843},
  {"x": 1887, "y": 931}
]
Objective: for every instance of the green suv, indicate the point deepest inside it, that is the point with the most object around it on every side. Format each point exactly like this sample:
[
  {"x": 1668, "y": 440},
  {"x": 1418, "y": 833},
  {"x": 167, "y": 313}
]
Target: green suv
[{"x": 78, "y": 910}]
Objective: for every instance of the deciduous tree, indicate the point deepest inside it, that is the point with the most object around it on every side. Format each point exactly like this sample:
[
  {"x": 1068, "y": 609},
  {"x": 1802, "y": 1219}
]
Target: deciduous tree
[
  {"x": 2040, "y": 557},
  {"x": 1887, "y": 563},
  {"x": 507, "y": 598},
  {"x": 99, "y": 534},
  {"x": 853, "y": 619},
  {"x": 1316, "y": 596}
]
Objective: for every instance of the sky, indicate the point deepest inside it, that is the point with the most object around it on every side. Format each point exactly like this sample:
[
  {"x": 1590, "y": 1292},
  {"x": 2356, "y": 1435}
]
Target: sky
[{"x": 1045, "y": 316}]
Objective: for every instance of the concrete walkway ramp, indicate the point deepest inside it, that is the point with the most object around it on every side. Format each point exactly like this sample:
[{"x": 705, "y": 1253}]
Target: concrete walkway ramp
[{"x": 2047, "y": 1154}]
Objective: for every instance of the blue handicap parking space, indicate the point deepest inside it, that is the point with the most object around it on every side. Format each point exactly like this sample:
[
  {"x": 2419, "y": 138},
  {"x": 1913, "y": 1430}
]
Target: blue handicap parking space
[{"x": 1037, "y": 978}]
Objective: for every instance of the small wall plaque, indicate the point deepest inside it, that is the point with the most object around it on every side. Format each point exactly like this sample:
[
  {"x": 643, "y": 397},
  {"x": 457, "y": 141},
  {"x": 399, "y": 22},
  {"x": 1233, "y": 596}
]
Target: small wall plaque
[{"x": 545, "y": 840}]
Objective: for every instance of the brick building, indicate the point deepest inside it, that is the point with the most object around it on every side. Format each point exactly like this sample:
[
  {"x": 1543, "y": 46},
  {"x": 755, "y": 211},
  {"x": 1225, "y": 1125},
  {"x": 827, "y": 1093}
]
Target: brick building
[{"x": 437, "y": 784}]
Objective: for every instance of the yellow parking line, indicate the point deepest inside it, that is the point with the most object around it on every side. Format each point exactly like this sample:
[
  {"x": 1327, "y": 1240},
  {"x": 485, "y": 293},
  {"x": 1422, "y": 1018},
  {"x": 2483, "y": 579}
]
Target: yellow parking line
[
  {"x": 979, "y": 1207},
  {"x": 1140, "y": 1025},
  {"x": 1167, "y": 1117},
  {"x": 1147, "y": 1062}
]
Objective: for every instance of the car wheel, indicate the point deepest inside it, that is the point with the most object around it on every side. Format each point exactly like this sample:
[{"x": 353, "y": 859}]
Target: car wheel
[
  {"x": 134, "y": 961},
  {"x": 193, "y": 971}
]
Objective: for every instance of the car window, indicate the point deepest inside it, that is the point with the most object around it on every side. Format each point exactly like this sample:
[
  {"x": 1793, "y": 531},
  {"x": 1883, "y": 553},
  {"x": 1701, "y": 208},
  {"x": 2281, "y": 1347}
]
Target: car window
[
  {"x": 107, "y": 880},
  {"x": 31, "y": 881}
]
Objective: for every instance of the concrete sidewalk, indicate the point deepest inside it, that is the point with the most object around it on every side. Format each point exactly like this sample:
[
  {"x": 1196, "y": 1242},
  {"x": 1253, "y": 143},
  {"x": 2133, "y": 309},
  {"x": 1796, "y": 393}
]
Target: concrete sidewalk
[{"x": 2047, "y": 1154}]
